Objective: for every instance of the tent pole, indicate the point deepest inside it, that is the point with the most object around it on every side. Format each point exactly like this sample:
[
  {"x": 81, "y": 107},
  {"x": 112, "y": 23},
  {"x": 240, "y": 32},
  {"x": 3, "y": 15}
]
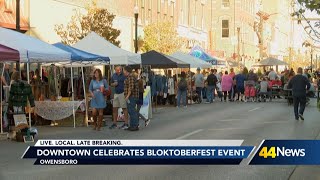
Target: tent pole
[
  {"x": 28, "y": 70},
  {"x": 191, "y": 86},
  {"x": 85, "y": 97},
  {"x": 72, "y": 95},
  {"x": 1, "y": 100}
]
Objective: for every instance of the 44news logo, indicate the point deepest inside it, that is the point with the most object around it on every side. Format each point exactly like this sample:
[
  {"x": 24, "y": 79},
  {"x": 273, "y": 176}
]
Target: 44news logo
[{"x": 273, "y": 152}]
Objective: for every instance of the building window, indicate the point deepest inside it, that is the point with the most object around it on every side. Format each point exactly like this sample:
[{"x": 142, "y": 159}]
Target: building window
[
  {"x": 225, "y": 28},
  {"x": 150, "y": 5},
  {"x": 142, "y": 11},
  {"x": 159, "y": 6},
  {"x": 226, "y": 3},
  {"x": 8, "y": 6}
]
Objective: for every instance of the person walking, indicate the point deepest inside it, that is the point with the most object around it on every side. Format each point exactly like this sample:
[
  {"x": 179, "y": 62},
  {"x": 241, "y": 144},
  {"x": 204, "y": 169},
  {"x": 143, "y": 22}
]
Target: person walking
[
  {"x": 182, "y": 90},
  {"x": 140, "y": 83},
  {"x": 117, "y": 81},
  {"x": 226, "y": 85},
  {"x": 97, "y": 86},
  {"x": 211, "y": 86},
  {"x": 131, "y": 93},
  {"x": 199, "y": 83},
  {"x": 299, "y": 85}
]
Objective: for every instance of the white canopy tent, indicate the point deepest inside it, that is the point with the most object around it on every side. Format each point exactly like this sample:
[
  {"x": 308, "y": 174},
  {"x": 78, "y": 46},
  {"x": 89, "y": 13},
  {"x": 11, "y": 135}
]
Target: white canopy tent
[
  {"x": 93, "y": 43},
  {"x": 193, "y": 61},
  {"x": 32, "y": 50}
]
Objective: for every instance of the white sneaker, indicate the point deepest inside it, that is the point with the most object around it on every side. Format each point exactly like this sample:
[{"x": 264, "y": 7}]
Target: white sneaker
[
  {"x": 56, "y": 124},
  {"x": 52, "y": 124}
]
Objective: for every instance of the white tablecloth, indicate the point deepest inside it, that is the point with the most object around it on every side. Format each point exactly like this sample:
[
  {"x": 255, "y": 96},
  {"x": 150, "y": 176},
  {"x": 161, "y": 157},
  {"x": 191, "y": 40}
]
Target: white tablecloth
[{"x": 55, "y": 110}]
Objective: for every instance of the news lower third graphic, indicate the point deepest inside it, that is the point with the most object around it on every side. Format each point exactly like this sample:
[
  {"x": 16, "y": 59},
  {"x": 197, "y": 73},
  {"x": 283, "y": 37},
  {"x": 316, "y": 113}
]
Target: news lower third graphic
[
  {"x": 100, "y": 152},
  {"x": 287, "y": 152},
  {"x": 174, "y": 152}
]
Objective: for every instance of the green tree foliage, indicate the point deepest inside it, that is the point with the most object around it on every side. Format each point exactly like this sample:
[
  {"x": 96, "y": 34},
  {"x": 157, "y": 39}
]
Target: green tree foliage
[
  {"x": 96, "y": 19},
  {"x": 312, "y": 5}
]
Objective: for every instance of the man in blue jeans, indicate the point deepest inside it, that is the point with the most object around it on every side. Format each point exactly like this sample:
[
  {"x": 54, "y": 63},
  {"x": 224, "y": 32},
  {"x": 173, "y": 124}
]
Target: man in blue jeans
[
  {"x": 131, "y": 93},
  {"x": 182, "y": 91},
  {"x": 299, "y": 85},
  {"x": 199, "y": 83},
  {"x": 211, "y": 86}
]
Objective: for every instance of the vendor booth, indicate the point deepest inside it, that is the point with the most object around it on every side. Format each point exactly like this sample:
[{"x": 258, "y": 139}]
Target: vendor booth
[
  {"x": 6, "y": 55},
  {"x": 31, "y": 50},
  {"x": 93, "y": 43},
  {"x": 80, "y": 59},
  {"x": 162, "y": 84}
]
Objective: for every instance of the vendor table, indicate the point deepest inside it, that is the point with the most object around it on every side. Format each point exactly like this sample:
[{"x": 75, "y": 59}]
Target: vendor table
[{"x": 56, "y": 110}]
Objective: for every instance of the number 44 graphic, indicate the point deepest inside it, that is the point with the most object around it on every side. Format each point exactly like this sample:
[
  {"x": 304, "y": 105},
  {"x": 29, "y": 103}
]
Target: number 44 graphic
[{"x": 265, "y": 153}]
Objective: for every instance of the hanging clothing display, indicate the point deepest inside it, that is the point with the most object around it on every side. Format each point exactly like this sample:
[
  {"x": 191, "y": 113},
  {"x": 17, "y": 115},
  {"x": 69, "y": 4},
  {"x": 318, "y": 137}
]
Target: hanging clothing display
[
  {"x": 20, "y": 94},
  {"x": 171, "y": 89},
  {"x": 54, "y": 80}
]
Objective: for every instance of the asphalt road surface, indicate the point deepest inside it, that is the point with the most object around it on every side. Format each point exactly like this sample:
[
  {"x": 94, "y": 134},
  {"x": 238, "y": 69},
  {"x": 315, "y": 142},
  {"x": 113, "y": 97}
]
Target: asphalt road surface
[{"x": 252, "y": 122}]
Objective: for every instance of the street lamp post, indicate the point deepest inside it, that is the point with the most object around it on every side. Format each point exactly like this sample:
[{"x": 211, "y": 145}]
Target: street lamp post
[
  {"x": 136, "y": 14},
  {"x": 18, "y": 26}
]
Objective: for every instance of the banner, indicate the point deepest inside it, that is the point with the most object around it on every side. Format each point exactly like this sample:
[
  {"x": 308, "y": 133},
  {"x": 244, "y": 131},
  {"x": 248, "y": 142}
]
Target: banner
[
  {"x": 146, "y": 109},
  {"x": 98, "y": 152}
]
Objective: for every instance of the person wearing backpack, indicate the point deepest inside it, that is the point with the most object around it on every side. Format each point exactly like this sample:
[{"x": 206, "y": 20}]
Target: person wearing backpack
[
  {"x": 182, "y": 90},
  {"x": 211, "y": 86}
]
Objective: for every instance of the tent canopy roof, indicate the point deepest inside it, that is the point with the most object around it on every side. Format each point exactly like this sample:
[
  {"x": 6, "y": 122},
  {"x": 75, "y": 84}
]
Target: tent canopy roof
[
  {"x": 96, "y": 44},
  {"x": 270, "y": 61},
  {"x": 81, "y": 58},
  {"x": 158, "y": 60},
  {"x": 198, "y": 52},
  {"x": 32, "y": 49},
  {"x": 193, "y": 61},
  {"x": 8, "y": 54}
]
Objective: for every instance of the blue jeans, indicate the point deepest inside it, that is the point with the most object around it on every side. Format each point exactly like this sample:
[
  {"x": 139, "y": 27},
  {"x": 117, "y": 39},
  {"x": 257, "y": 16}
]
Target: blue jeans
[
  {"x": 199, "y": 91},
  {"x": 210, "y": 93},
  {"x": 134, "y": 119},
  {"x": 182, "y": 95},
  {"x": 204, "y": 93}
]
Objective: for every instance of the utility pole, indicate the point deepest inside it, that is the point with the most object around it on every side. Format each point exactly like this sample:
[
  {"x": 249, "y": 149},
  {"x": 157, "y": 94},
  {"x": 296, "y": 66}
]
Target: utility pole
[
  {"x": 238, "y": 50},
  {"x": 261, "y": 41},
  {"x": 263, "y": 16},
  {"x": 311, "y": 58}
]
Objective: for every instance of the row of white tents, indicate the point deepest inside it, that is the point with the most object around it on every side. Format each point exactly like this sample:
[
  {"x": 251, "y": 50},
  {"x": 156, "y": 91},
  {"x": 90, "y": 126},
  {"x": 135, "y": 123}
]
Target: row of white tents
[{"x": 32, "y": 50}]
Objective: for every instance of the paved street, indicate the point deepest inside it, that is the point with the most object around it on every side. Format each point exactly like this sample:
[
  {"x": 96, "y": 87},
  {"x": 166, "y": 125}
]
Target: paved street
[{"x": 252, "y": 122}]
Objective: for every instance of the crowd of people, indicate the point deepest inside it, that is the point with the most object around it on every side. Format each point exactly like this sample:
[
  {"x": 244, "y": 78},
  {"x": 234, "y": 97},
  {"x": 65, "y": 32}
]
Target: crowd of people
[{"x": 248, "y": 85}]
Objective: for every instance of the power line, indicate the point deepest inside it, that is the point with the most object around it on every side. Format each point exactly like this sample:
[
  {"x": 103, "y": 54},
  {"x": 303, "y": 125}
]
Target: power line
[{"x": 71, "y": 4}]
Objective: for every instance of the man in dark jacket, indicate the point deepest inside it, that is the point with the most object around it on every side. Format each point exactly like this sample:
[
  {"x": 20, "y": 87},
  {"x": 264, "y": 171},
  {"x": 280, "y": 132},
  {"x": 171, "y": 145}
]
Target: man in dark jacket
[
  {"x": 211, "y": 82},
  {"x": 299, "y": 85}
]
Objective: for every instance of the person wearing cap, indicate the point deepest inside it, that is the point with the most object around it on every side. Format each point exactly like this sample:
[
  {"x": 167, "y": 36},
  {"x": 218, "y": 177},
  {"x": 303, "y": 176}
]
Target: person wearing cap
[{"x": 199, "y": 83}]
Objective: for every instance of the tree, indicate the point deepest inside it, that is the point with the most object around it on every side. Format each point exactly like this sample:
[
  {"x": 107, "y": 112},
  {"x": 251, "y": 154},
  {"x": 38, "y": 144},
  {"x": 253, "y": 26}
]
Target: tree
[
  {"x": 96, "y": 19},
  {"x": 312, "y": 5},
  {"x": 161, "y": 37}
]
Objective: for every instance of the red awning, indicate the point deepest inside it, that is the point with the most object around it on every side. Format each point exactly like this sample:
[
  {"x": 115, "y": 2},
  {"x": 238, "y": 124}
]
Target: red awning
[
  {"x": 8, "y": 20},
  {"x": 8, "y": 54}
]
